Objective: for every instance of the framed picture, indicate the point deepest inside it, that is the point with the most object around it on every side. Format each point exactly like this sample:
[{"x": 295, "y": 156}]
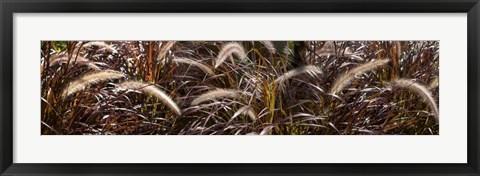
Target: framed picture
[{"x": 268, "y": 87}]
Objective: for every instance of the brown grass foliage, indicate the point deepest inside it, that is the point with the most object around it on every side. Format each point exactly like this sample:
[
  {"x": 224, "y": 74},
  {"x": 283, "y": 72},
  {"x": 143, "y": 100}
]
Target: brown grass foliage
[{"x": 239, "y": 87}]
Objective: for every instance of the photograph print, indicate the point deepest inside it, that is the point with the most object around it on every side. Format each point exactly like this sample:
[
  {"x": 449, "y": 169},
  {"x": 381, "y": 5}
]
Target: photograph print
[{"x": 239, "y": 87}]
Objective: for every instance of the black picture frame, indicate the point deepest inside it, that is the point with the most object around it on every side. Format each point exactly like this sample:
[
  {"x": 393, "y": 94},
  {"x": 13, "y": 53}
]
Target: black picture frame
[{"x": 9, "y": 7}]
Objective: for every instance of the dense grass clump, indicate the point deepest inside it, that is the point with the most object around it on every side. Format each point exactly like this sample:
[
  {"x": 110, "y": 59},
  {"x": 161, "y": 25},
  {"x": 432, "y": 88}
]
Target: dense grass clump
[{"x": 240, "y": 87}]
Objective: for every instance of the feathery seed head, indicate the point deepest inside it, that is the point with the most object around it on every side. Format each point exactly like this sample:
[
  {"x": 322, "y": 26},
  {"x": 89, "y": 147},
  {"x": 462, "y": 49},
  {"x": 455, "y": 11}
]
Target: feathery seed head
[
  {"x": 312, "y": 70},
  {"x": 217, "y": 93},
  {"x": 347, "y": 77},
  {"x": 269, "y": 45},
  {"x": 205, "y": 68},
  {"x": 420, "y": 90},
  {"x": 79, "y": 60},
  {"x": 227, "y": 51},
  {"x": 101, "y": 45},
  {"x": 164, "y": 50},
  {"x": 89, "y": 79},
  {"x": 154, "y": 91}
]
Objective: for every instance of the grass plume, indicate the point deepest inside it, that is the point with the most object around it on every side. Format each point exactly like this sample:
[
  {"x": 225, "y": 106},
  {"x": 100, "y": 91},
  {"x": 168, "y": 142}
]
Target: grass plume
[
  {"x": 433, "y": 84},
  {"x": 269, "y": 45},
  {"x": 346, "y": 78},
  {"x": 205, "y": 68},
  {"x": 217, "y": 93},
  {"x": 154, "y": 91},
  {"x": 101, "y": 45},
  {"x": 89, "y": 79},
  {"x": 420, "y": 90},
  {"x": 228, "y": 50},
  {"x": 79, "y": 60},
  {"x": 310, "y": 69},
  {"x": 164, "y": 49}
]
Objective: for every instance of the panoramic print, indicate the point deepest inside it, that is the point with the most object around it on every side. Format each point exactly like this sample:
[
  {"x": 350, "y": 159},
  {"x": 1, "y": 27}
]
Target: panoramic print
[{"x": 239, "y": 87}]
